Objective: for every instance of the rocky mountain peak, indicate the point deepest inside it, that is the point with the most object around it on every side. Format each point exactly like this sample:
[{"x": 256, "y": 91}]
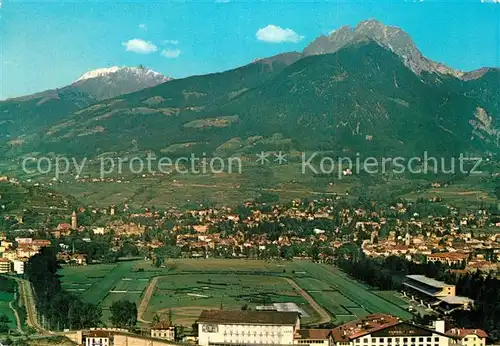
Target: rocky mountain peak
[
  {"x": 113, "y": 81},
  {"x": 389, "y": 37}
]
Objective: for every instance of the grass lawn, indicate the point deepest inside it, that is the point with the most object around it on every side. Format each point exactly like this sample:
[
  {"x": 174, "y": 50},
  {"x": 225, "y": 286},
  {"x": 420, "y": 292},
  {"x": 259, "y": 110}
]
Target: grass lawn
[
  {"x": 94, "y": 282},
  {"x": 230, "y": 265},
  {"x": 187, "y": 294},
  {"x": 5, "y": 298},
  {"x": 367, "y": 301},
  {"x": 187, "y": 286}
]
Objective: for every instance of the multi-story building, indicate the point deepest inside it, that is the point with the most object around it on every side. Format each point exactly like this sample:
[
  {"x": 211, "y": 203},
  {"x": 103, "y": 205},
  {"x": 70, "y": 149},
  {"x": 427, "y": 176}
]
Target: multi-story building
[
  {"x": 98, "y": 338},
  {"x": 449, "y": 258},
  {"x": 18, "y": 265},
  {"x": 385, "y": 330},
  {"x": 468, "y": 337},
  {"x": 312, "y": 337},
  {"x": 5, "y": 265},
  {"x": 221, "y": 328},
  {"x": 163, "y": 330}
]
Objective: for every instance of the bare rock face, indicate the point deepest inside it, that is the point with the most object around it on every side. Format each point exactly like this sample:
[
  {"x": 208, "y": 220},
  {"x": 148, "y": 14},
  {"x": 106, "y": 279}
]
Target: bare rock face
[{"x": 390, "y": 37}]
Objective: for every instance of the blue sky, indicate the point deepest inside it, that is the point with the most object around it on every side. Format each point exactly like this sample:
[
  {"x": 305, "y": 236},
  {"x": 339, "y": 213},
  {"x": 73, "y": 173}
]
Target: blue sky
[{"x": 48, "y": 44}]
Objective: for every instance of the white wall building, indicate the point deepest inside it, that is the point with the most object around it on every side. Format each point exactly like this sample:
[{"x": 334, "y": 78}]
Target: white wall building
[
  {"x": 312, "y": 337},
  {"x": 469, "y": 337},
  {"x": 219, "y": 327},
  {"x": 18, "y": 266},
  {"x": 385, "y": 330},
  {"x": 98, "y": 338}
]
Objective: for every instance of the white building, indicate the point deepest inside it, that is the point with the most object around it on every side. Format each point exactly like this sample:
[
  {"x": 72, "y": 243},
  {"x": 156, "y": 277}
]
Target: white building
[
  {"x": 5, "y": 266},
  {"x": 469, "y": 337},
  {"x": 98, "y": 338},
  {"x": 18, "y": 265},
  {"x": 163, "y": 330},
  {"x": 312, "y": 337},
  {"x": 220, "y": 328},
  {"x": 385, "y": 330}
]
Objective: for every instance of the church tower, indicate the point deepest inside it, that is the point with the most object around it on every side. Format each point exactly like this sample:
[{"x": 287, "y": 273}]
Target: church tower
[{"x": 74, "y": 221}]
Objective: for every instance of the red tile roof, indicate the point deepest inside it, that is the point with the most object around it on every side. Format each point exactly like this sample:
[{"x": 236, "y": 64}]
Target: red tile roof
[
  {"x": 450, "y": 255},
  {"x": 98, "y": 334},
  {"x": 462, "y": 332},
  {"x": 313, "y": 334},
  {"x": 363, "y": 326},
  {"x": 161, "y": 325}
]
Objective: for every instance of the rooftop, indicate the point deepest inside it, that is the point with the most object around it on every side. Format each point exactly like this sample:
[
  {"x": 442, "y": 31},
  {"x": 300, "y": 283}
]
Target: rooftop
[
  {"x": 98, "y": 334},
  {"x": 456, "y": 300},
  {"x": 248, "y": 317},
  {"x": 363, "y": 326},
  {"x": 312, "y": 334},
  {"x": 428, "y": 281},
  {"x": 450, "y": 255},
  {"x": 461, "y": 332},
  {"x": 161, "y": 325}
]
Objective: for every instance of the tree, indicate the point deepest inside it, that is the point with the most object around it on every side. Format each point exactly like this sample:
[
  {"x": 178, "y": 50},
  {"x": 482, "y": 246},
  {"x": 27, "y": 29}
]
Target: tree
[
  {"x": 170, "y": 316},
  {"x": 59, "y": 308},
  {"x": 124, "y": 314},
  {"x": 496, "y": 191},
  {"x": 4, "y": 324},
  {"x": 156, "y": 319}
]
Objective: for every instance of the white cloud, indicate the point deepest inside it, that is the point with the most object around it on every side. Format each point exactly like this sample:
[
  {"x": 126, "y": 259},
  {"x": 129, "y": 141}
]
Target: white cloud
[
  {"x": 139, "y": 46},
  {"x": 276, "y": 34},
  {"x": 143, "y": 27},
  {"x": 171, "y": 53},
  {"x": 490, "y": 1},
  {"x": 171, "y": 42},
  {"x": 222, "y": 1}
]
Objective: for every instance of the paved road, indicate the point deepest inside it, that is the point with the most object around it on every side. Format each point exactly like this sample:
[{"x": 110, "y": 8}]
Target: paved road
[{"x": 325, "y": 317}]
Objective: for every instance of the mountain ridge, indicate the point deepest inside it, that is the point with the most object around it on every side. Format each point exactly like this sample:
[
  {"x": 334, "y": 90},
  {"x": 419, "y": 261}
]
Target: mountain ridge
[
  {"x": 391, "y": 37},
  {"x": 368, "y": 95}
]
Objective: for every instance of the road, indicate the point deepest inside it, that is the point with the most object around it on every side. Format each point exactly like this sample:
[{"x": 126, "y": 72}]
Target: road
[
  {"x": 27, "y": 299},
  {"x": 145, "y": 300},
  {"x": 325, "y": 317}
]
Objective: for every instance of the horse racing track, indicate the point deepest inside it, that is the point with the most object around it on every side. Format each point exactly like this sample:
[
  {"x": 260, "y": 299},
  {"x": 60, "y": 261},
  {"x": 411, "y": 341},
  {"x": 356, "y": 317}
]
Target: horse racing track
[{"x": 185, "y": 286}]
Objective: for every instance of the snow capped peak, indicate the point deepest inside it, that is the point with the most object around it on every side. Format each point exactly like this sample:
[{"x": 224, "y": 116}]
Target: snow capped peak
[
  {"x": 109, "y": 71},
  {"x": 100, "y": 72},
  {"x": 112, "y": 81}
]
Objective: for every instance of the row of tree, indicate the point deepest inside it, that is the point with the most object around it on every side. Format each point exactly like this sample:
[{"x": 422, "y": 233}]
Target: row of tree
[{"x": 57, "y": 308}]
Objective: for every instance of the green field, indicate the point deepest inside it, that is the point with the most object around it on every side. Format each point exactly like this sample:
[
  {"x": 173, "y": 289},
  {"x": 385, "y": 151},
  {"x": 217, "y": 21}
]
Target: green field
[
  {"x": 186, "y": 286},
  {"x": 187, "y": 294},
  {"x": 350, "y": 294},
  {"x": 5, "y": 298}
]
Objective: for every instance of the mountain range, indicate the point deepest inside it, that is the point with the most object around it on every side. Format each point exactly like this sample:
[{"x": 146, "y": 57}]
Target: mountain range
[{"x": 364, "y": 89}]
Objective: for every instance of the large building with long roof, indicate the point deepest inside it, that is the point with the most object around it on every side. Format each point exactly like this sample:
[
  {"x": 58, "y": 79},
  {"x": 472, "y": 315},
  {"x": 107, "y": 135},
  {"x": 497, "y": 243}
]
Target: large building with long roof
[
  {"x": 435, "y": 293},
  {"x": 220, "y": 327},
  {"x": 386, "y": 330}
]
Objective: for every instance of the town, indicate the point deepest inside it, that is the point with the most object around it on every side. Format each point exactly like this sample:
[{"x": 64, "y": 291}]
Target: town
[{"x": 421, "y": 260}]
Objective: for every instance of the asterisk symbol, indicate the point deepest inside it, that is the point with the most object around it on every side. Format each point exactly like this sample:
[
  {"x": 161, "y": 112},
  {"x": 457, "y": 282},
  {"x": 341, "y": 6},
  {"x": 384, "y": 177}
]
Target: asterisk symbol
[
  {"x": 262, "y": 158},
  {"x": 280, "y": 158}
]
